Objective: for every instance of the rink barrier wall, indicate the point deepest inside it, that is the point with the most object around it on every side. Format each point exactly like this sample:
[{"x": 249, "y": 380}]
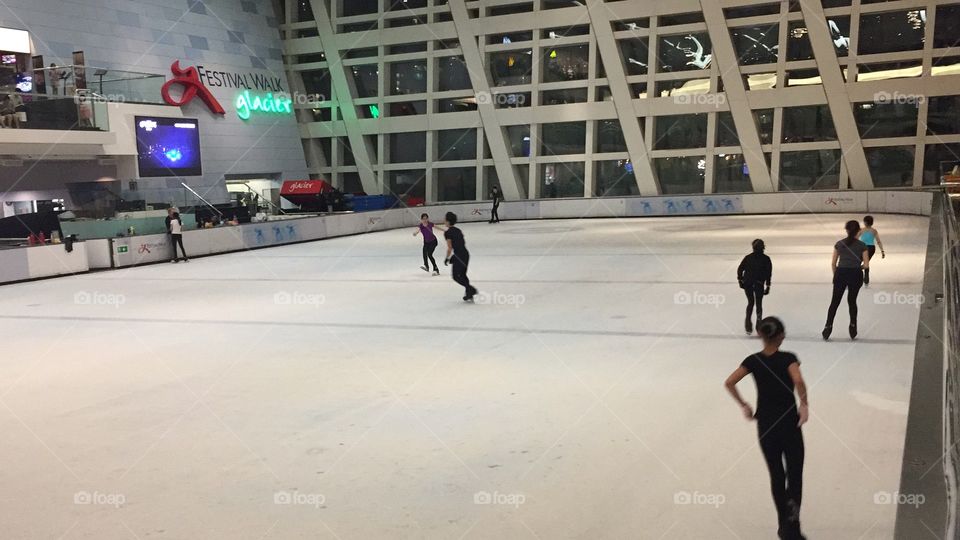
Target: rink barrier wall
[
  {"x": 35, "y": 262},
  {"x": 930, "y": 450},
  {"x": 128, "y": 251}
]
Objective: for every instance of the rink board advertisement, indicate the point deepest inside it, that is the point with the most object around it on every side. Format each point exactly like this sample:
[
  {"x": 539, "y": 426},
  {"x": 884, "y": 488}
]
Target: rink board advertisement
[
  {"x": 132, "y": 250},
  {"x": 691, "y": 205}
]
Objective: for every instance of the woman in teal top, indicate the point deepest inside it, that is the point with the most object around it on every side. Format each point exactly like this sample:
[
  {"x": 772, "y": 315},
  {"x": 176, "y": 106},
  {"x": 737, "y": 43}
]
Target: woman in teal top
[{"x": 869, "y": 236}]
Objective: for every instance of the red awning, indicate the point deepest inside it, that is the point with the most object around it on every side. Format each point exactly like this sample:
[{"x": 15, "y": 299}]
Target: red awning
[{"x": 305, "y": 187}]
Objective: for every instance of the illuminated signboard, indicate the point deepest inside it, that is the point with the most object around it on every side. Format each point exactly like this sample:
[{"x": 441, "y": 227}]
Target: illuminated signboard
[{"x": 248, "y": 103}]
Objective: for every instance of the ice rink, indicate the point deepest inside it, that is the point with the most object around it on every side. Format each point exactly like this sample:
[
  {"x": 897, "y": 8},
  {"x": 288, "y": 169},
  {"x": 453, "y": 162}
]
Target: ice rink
[{"x": 335, "y": 390}]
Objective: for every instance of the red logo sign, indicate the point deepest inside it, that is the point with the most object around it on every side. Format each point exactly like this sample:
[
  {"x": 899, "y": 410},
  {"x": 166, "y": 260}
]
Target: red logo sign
[{"x": 189, "y": 79}]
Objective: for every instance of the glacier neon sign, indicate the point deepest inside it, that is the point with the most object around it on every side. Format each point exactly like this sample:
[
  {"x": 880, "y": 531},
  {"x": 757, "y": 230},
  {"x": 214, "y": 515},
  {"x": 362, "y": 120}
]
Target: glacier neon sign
[{"x": 248, "y": 103}]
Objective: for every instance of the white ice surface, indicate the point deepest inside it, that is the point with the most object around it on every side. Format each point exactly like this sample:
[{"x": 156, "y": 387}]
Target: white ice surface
[{"x": 597, "y": 400}]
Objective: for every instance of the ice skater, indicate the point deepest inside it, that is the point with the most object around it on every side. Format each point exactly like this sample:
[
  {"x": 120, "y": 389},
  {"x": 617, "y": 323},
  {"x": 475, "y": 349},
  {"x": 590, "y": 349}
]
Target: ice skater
[
  {"x": 850, "y": 259},
  {"x": 458, "y": 256},
  {"x": 777, "y": 375},
  {"x": 175, "y": 230},
  {"x": 430, "y": 243},
  {"x": 754, "y": 275},
  {"x": 869, "y": 236},
  {"x": 497, "y": 196}
]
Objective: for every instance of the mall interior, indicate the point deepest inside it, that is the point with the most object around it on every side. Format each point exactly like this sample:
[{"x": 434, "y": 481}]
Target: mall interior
[{"x": 634, "y": 150}]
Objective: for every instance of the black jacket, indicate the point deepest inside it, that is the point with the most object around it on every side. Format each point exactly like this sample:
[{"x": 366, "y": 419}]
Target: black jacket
[{"x": 755, "y": 268}]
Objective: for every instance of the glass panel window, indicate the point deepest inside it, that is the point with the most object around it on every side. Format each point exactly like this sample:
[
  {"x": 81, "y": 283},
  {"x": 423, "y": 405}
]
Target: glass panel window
[
  {"x": 407, "y": 48},
  {"x": 408, "y": 77},
  {"x": 511, "y": 67},
  {"x": 890, "y": 70},
  {"x": 566, "y": 63},
  {"x": 681, "y": 175},
  {"x": 945, "y": 65},
  {"x": 316, "y": 83},
  {"x": 519, "y": 139},
  {"x": 350, "y": 182},
  {"x": 892, "y": 31},
  {"x": 764, "y": 118},
  {"x": 727, "y": 134},
  {"x": 615, "y": 179},
  {"x": 635, "y": 55},
  {"x": 349, "y": 8},
  {"x": 680, "y": 131},
  {"x": 456, "y": 105},
  {"x": 512, "y": 37},
  {"x": 817, "y": 169},
  {"x": 756, "y": 44},
  {"x": 943, "y": 116},
  {"x": 879, "y": 120},
  {"x": 938, "y": 160},
  {"x": 798, "y": 38},
  {"x": 561, "y": 180},
  {"x": 365, "y": 79},
  {"x": 407, "y": 108},
  {"x": 457, "y": 184},
  {"x": 456, "y": 144},
  {"x": 891, "y": 166},
  {"x": 512, "y": 101},
  {"x": 403, "y": 5},
  {"x": 803, "y": 77},
  {"x": 731, "y": 174},
  {"x": 610, "y": 137},
  {"x": 684, "y": 52},
  {"x": 408, "y": 147},
  {"x": 808, "y": 124},
  {"x": 453, "y": 74},
  {"x": 408, "y": 183},
  {"x": 563, "y": 138},
  {"x": 563, "y": 97},
  {"x": 946, "y": 32}
]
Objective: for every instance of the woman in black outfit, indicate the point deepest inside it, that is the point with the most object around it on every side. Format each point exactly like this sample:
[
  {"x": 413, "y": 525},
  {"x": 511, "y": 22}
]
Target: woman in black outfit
[
  {"x": 754, "y": 276},
  {"x": 777, "y": 374},
  {"x": 850, "y": 259},
  {"x": 458, "y": 256}
]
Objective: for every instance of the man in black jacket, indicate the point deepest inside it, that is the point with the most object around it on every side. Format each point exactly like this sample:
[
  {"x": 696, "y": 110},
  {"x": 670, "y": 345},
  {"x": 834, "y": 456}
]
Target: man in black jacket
[{"x": 754, "y": 275}]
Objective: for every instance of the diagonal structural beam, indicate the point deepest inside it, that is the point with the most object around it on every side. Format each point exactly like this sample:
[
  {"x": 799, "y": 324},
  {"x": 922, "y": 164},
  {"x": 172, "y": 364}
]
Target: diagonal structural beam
[
  {"x": 485, "y": 102},
  {"x": 342, "y": 83},
  {"x": 838, "y": 100},
  {"x": 728, "y": 62},
  {"x": 622, "y": 98}
]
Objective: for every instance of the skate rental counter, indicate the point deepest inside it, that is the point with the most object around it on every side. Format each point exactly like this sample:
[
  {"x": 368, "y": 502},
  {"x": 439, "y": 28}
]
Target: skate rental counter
[{"x": 129, "y": 251}]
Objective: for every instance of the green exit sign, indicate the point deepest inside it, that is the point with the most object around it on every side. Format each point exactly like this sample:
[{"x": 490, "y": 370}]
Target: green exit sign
[{"x": 123, "y": 249}]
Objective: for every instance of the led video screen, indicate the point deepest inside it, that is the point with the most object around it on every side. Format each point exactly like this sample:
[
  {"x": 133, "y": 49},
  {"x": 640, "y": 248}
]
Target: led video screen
[{"x": 168, "y": 146}]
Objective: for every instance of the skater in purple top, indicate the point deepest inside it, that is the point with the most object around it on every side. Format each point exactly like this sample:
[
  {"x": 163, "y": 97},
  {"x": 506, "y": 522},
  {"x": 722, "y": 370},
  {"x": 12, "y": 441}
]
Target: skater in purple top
[{"x": 425, "y": 227}]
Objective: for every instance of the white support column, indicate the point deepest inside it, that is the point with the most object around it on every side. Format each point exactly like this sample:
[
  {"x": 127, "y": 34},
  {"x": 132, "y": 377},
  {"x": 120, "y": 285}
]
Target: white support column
[
  {"x": 838, "y": 99},
  {"x": 341, "y": 81},
  {"x": 485, "y": 100},
  {"x": 622, "y": 97},
  {"x": 725, "y": 57}
]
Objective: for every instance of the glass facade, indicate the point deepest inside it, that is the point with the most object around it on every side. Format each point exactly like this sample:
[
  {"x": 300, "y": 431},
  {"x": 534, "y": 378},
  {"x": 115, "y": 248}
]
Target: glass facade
[{"x": 547, "y": 103}]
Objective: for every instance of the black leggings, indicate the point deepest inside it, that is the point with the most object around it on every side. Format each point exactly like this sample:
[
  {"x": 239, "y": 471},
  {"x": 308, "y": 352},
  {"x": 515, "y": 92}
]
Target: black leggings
[
  {"x": 495, "y": 213},
  {"x": 428, "y": 249},
  {"x": 783, "y": 451},
  {"x": 177, "y": 240},
  {"x": 460, "y": 263},
  {"x": 848, "y": 280},
  {"x": 871, "y": 250},
  {"x": 754, "y": 292}
]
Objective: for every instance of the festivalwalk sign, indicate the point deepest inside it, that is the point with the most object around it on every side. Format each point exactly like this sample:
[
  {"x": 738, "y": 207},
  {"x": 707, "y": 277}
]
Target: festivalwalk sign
[{"x": 259, "y": 93}]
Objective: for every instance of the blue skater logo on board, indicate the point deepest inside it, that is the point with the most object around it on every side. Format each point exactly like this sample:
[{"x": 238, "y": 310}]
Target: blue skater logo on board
[
  {"x": 690, "y": 205},
  {"x": 271, "y": 235}
]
